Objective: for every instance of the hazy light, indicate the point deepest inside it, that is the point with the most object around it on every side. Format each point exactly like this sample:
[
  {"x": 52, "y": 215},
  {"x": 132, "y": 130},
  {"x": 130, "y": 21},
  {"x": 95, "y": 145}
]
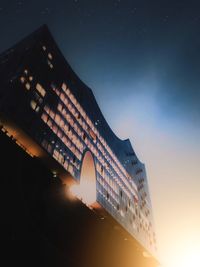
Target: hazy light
[
  {"x": 85, "y": 191},
  {"x": 189, "y": 257}
]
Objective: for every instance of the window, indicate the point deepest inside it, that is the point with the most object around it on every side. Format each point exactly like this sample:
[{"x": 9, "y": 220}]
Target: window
[
  {"x": 64, "y": 86},
  {"x": 33, "y": 104},
  {"x": 37, "y": 109},
  {"x": 57, "y": 119},
  {"x": 52, "y": 114},
  {"x": 50, "y": 56},
  {"x": 60, "y": 107},
  {"x": 28, "y": 86},
  {"x": 55, "y": 128},
  {"x": 93, "y": 135},
  {"x": 60, "y": 134},
  {"x": 22, "y": 79},
  {"x": 40, "y": 89},
  {"x": 50, "y": 64},
  {"x": 38, "y": 98},
  {"x": 49, "y": 122},
  {"x": 47, "y": 109}
]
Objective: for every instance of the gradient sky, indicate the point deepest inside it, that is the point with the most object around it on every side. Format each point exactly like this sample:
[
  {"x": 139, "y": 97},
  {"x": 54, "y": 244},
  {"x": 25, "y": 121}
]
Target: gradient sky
[{"x": 142, "y": 61}]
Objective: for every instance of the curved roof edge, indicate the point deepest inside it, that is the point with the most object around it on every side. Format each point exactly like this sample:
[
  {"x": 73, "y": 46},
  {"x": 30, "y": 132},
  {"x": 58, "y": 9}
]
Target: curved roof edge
[{"x": 90, "y": 97}]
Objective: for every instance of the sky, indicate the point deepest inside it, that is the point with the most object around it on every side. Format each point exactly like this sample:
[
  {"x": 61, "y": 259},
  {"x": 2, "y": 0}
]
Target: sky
[{"x": 142, "y": 61}]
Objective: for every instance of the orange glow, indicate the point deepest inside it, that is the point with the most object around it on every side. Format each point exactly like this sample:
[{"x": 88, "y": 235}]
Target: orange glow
[
  {"x": 186, "y": 255},
  {"x": 86, "y": 192}
]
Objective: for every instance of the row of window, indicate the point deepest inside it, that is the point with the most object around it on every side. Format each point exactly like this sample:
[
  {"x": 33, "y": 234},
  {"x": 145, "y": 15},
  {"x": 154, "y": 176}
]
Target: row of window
[
  {"x": 109, "y": 186},
  {"x": 106, "y": 186},
  {"x": 49, "y": 57},
  {"x": 63, "y": 135},
  {"x": 103, "y": 142},
  {"x": 67, "y": 127},
  {"x": 83, "y": 124},
  {"x": 87, "y": 124}
]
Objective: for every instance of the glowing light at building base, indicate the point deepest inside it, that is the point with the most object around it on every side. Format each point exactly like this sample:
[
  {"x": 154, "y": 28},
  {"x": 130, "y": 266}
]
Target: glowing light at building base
[{"x": 85, "y": 191}]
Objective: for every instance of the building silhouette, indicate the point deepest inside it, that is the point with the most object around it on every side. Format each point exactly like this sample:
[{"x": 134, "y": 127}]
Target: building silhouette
[{"x": 46, "y": 110}]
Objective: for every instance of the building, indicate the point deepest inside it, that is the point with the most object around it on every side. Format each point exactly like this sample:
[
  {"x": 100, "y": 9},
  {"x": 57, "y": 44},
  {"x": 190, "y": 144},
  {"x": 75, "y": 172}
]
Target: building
[{"x": 52, "y": 115}]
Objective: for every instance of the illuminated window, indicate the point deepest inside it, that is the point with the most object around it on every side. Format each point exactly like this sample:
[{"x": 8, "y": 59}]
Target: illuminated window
[
  {"x": 26, "y": 71},
  {"x": 22, "y": 79},
  {"x": 62, "y": 123},
  {"x": 37, "y": 109},
  {"x": 55, "y": 129},
  {"x": 40, "y": 89},
  {"x": 57, "y": 119},
  {"x": 62, "y": 97},
  {"x": 71, "y": 169},
  {"x": 28, "y": 86},
  {"x": 33, "y": 104},
  {"x": 44, "y": 117},
  {"x": 30, "y": 78},
  {"x": 44, "y": 48},
  {"x": 65, "y": 127},
  {"x": 50, "y": 56},
  {"x": 47, "y": 109},
  {"x": 60, "y": 134},
  {"x": 92, "y": 134},
  {"x": 50, "y": 64},
  {"x": 60, "y": 107},
  {"x": 49, "y": 122},
  {"x": 64, "y": 86},
  {"x": 38, "y": 98}
]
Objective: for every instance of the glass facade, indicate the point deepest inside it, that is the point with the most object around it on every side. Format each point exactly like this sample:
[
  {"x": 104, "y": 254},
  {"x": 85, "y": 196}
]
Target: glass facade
[{"x": 61, "y": 125}]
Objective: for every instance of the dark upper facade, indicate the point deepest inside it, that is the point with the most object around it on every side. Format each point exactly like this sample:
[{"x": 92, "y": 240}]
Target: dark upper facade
[{"x": 52, "y": 114}]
